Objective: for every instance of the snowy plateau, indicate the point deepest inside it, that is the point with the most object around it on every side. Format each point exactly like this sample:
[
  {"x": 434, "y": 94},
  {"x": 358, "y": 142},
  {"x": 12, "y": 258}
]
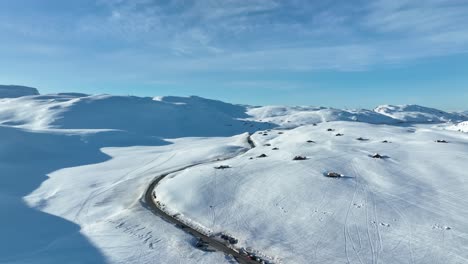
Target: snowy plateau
[{"x": 126, "y": 179}]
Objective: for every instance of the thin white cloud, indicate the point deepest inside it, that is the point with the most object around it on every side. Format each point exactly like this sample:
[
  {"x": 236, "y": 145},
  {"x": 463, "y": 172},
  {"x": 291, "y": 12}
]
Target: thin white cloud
[{"x": 260, "y": 35}]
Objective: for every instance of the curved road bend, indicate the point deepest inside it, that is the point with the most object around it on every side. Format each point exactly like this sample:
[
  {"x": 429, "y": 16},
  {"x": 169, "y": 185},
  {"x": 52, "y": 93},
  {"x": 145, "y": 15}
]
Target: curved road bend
[{"x": 148, "y": 201}]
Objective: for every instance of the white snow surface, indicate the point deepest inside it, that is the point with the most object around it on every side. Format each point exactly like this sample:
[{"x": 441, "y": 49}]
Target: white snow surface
[
  {"x": 462, "y": 127},
  {"x": 294, "y": 116},
  {"x": 418, "y": 114},
  {"x": 74, "y": 167},
  {"x": 409, "y": 207},
  {"x": 290, "y": 116}
]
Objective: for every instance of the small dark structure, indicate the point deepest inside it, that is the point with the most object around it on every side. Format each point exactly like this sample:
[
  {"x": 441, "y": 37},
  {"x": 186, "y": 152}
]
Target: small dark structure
[
  {"x": 332, "y": 174},
  {"x": 330, "y": 129},
  {"x": 280, "y": 133},
  {"x": 232, "y": 240},
  {"x": 265, "y": 134},
  {"x": 362, "y": 139},
  {"x": 377, "y": 156},
  {"x": 222, "y": 167},
  {"x": 299, "y": 158},
  {"x": 274, "y": 148},
  {"x": 314, "y": 124},
  {"x": 441, "y": 141},
  {"x": 385, "y": 141},
  {"x": 262, "y": 156},
  {"x": 339, "y": 135},
  {"x": 267, "y": 145},
  {"x": 310, "y": 141}
]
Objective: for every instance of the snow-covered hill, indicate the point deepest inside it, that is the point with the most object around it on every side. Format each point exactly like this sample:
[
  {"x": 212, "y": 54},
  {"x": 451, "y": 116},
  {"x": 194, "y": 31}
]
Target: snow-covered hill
[
  {"x": 169, "y": 117},
  {"x": 74, "y": 168},
  {"x": 418, "y": 114},
  {"x": 407, "y": 207},
  {"x": 462, "y": 127},
  {"x": 13, "y": 91},
  {"x": 289, "y": 117}
]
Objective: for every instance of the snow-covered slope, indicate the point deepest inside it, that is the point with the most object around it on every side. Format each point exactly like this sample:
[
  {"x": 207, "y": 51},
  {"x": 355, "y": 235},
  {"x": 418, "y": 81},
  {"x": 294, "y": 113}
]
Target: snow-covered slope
[
  {"x": 417, "y": 114},
  {"x": 13, "y": 91},
  {"x": 408, "y": 207},
  {"x": 294, "y": 116},
  {"x": 74, "y": 168},
  {"x": 462, "y": 127},
  {"x": 64, "y": 199},
  {"x": 166, "y": 117},
  {"x": 287, "y": 116}
]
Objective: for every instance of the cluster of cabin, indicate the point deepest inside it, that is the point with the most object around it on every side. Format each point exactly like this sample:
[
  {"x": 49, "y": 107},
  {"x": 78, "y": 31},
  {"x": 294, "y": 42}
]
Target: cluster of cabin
[{"x": 230, "y": 239}]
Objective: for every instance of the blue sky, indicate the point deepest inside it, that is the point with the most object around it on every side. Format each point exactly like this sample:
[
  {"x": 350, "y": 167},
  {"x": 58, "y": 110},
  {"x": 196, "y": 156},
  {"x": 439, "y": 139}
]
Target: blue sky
[{"x": 296, "y": 52}]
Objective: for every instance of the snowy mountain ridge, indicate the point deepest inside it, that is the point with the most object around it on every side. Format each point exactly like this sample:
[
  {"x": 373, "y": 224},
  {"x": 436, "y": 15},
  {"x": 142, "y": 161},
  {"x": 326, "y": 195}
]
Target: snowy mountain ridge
[{"x": 213, "y": 117}]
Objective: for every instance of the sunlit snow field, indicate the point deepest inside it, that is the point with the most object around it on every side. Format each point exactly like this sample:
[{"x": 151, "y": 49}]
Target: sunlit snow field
[{"x": 74, "y": 169}]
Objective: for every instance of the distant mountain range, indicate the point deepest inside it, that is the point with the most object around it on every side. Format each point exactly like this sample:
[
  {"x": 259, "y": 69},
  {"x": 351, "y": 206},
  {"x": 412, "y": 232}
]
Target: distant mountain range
[{"x": 172, "y": 116}]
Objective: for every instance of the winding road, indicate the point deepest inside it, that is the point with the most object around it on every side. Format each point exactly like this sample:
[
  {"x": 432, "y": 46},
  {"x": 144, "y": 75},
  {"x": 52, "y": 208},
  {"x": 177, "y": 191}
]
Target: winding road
[{"x": 149, "y": 202}]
